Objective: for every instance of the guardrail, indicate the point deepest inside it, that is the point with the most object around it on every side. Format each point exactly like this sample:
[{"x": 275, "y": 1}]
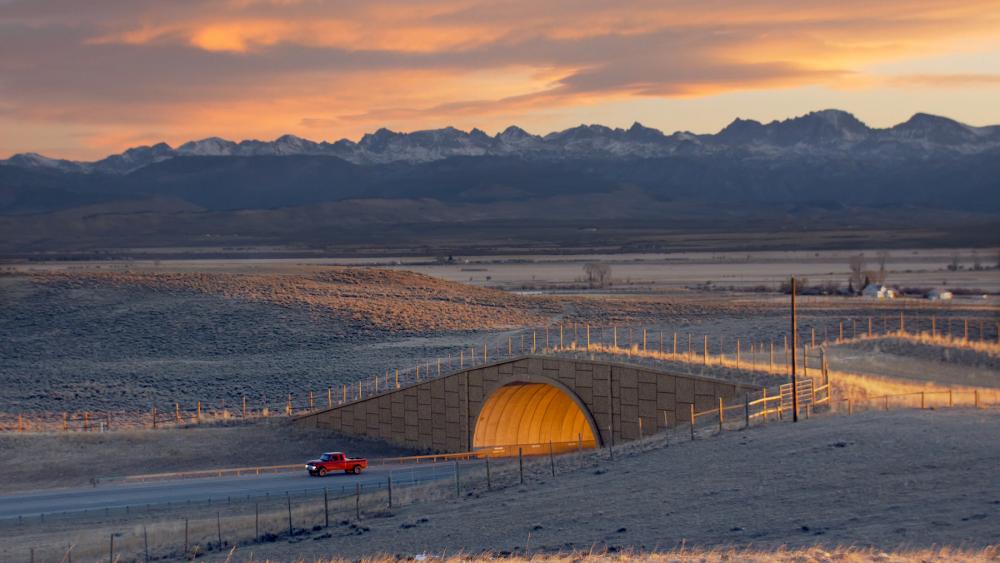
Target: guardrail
[
  {"x": 235, "y": 471},
  {"x": 542, "y": 448}
]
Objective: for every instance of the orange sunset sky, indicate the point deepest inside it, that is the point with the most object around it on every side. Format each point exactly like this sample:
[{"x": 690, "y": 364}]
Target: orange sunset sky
[{"x": 81, "y": 79}]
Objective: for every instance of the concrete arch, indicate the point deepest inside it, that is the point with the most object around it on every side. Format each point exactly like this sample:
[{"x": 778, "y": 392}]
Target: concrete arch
[
  {"x": 618, "y": 402},
  {"x": 533, "y": 410}
]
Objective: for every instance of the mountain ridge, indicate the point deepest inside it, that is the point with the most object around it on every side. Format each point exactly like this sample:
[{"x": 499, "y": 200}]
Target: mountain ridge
[{"x": 824, "y": 134}]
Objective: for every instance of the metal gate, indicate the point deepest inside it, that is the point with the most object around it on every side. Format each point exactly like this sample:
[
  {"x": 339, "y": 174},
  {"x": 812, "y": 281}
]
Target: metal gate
[{"x": 805, "y": 389}]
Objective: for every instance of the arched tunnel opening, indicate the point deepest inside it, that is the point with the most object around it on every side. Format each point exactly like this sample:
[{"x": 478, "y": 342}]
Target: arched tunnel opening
[{"x": 532, "y": 415}]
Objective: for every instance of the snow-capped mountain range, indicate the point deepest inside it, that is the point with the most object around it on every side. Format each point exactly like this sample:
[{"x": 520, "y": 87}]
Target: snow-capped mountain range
[{"x": 827, "y": 133}]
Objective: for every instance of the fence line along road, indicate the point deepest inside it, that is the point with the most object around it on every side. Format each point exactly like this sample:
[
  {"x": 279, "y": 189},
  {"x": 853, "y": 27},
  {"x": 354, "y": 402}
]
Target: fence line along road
[
  {"x": 749, "y": 354},
  {"x": 541, "y": 448}
]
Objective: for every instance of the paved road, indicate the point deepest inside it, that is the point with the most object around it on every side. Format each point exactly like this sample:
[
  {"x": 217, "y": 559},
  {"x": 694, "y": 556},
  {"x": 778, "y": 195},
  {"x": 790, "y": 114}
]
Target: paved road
[{"x": 158, "y": 493}]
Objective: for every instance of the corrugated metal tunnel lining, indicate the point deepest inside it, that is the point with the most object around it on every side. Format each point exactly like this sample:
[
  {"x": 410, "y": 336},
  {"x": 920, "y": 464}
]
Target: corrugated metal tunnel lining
[{"x": 531, "y": 413}]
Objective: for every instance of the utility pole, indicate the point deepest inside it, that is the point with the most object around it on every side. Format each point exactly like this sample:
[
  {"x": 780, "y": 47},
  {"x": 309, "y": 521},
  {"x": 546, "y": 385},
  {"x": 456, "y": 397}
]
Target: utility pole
[{"x": 795, "y": 340}]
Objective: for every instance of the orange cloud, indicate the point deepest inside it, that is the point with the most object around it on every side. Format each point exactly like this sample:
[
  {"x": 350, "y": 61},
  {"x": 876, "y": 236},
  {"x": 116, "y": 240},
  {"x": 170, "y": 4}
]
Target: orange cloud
[
  {"x": 947, "y": 80},
  {"x": 128, "y": 69}
]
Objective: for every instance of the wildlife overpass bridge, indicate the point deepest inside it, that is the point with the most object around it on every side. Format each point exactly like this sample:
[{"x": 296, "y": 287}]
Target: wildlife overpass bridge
[{"x": 528, "y": 400}]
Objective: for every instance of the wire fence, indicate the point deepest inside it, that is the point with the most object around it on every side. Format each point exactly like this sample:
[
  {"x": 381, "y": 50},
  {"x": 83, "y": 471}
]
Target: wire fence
[
  {"x": 746, "y": 355},
  {"x": 191, "y": 529}
]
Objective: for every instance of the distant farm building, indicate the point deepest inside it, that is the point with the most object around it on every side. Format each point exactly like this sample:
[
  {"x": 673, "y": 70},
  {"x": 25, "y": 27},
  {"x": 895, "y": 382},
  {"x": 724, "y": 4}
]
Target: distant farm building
[
  {"x": 939, "y": 294},
  {"x": 878, "y": 291}
]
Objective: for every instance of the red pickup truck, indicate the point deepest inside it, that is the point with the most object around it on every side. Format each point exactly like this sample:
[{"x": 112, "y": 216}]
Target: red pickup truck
[{"x": 336, "y": 461}]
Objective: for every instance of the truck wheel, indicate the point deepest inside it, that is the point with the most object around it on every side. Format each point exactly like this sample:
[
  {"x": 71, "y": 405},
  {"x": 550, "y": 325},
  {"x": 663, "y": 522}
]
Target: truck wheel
[
  {"x": 356, "y": 470},
  {"x": 322, "y": 472}
]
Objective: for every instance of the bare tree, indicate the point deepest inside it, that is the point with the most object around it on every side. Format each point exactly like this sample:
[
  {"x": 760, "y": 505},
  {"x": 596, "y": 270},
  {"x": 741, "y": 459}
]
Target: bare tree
[
  {"x": 857, "y": 265},
  {"x": 883, "y": 258},
  {"x": 955, "y": 264},
  {"x": 598, "y": 274}
]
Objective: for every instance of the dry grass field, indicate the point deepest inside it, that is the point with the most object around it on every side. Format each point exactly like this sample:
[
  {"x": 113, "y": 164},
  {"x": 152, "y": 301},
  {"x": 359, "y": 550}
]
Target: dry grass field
[
  {"x": 829, "y": 482},
  {"x": 748, "y": 555},
  {"x": 124, "y": 341},
  {"x": 873, "y": 486},
  {"x": 94, "y": 339}
]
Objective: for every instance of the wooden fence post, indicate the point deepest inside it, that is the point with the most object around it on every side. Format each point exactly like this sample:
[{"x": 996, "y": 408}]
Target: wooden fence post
[
  {"x": 388, "y": 483},
  {"x": 721, "y": 414},
  {"x": 692, "y": 421},
  {"x": 746, "y": 410},
  {"x": 520, "y": 465},
  {"x": 552, "y": 459},
  {"x": 764, "y": 402}
]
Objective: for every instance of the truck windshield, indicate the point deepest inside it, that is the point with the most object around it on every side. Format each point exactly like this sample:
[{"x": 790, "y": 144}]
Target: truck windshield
[{"x": 325, "y": 457}]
